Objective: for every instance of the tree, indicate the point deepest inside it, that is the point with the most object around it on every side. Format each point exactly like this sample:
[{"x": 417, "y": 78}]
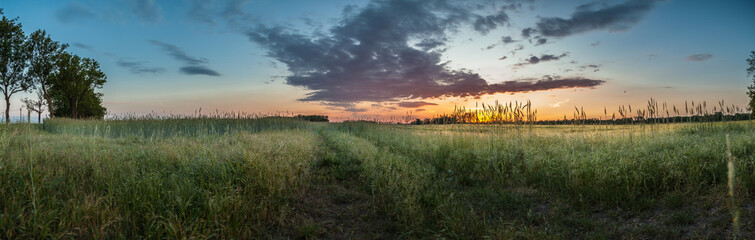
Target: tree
[
  {"x": 74, "y": 83},
  {"x": 44, "y": 52},
  {"x": 14, "y": 57},
  {"x": 751, "y": 89},
  {"x": 90, "y": 106},
  {"x": 36, "y": 105}
]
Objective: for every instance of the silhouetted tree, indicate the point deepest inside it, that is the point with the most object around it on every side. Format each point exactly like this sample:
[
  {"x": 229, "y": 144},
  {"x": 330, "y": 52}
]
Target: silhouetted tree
[
  {"x": 90, "y": 106},
  {"x": 44, "y": 53},
  {"x": 751, "y": 89},
  {"x": 36, "y": 105},
  {"x": 14, "y": 58},
  {"x": 73, "y": 86}
]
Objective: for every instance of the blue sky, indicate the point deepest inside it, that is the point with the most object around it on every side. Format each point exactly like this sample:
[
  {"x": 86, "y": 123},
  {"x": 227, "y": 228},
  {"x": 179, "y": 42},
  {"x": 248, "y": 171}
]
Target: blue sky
[{"x": 350, "y": 58}]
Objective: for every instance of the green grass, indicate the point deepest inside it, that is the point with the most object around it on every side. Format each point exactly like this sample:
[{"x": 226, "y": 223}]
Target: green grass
[{"x": 240, "y": 177}]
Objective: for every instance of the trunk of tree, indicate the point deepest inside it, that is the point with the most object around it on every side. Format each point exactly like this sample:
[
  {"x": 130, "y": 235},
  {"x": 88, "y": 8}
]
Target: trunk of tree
[
  {"x": 7, "y": 110},
  {"x": 73, "y": 111},
  {"x": 39, "y": 116},
  {"x": 49, "y": 105}
]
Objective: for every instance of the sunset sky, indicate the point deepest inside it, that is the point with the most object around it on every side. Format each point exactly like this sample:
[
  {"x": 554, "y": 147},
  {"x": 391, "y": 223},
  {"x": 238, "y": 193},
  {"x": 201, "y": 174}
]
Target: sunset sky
[{"x": 383, "y": 59}]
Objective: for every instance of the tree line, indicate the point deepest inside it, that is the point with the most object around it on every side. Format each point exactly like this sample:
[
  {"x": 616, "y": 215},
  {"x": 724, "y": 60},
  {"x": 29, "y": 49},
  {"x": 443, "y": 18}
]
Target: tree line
[{"x": 64, "y": 82}]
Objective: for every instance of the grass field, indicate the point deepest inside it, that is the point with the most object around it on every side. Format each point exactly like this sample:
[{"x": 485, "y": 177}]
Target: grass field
[{"x": 284, "y": 178}]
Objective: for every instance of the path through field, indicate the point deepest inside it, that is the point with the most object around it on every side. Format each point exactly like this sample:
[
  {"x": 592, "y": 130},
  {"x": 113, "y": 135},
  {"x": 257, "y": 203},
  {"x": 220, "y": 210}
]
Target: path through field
[{"x": 337, "y": 205}]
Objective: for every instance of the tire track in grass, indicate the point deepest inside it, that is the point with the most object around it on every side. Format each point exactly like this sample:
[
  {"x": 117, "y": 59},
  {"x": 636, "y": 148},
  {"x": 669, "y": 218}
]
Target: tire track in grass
[{"x": 337, "y": 204}]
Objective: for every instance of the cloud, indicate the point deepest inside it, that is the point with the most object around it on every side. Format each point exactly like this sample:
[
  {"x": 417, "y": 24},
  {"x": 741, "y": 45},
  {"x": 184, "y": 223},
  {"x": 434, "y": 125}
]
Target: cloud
[
  {"x": 504, "y": 40},
  {"x": 74, "y": 11},
  {"x": 419, "y": 110},
  {"x": 138, "y": 67},
  {"x": 507, "y": 40},
  {"x": 595, "y": 44},
  {"x": 348, "y": 107},
  {"x": 542, "y": 58},
  {"x": 231, "y": 11},
  {"x": 485, "y": 24},
  {"x": 199, "y": 70},
  {"x": 541, "y": 41},
  {"x": 146, "y": 10},
  {"x": 178, "y": 54},
  {"x": 587, "y": 18},
  {"x": 370, "y": 56},
  {"x": 195, "y": 65},
  {"x": 699, "y": 57},
  {"x": 559, "y": 103},
  {"x": 594, "y": 67},
  {"x": 82, "y": 46},
  {"x": 527, "y": 32},
  {"x": 519, "y": 47},
  {"x": 414, "y": 104}
]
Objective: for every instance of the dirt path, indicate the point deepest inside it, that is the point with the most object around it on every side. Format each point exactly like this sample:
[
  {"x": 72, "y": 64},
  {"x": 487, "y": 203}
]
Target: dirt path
[{"x": 337, "y": 205}]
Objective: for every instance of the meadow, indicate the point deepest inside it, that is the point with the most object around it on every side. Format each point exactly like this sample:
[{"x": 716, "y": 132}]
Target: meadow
[{"x": 283, "y": 178}]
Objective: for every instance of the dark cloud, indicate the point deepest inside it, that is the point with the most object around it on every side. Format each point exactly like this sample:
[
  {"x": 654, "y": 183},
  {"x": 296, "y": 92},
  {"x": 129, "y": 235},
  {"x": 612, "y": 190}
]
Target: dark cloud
[
  {"x": 195, "y": 65},
  {"x": 594, "y": 67},
  {"x": 527, "y": 32},
  {"x": 429, "y": 44},
  {"x": 490, "y": 46},
  {"x": 542, "y": 58},
  {"x": 146, "y": 10},
  {"x": 541, "y": 41},
  {"x": 699, "y": 57},
  {"x": 348, "y": 107},
  {"x": 82, "y": 46},
  {"x": 419, "y": 110},
  {"x": 485, "y": 24},
  {"x": 74, "y": 11},
  {"x": 370, "y": 55},
  {"x": 503, "y": 58},
  {"x": 546, "y": 83},
  {"x": 199, "y": 70},
  {"x": 595, "y": 44},
  {"x": 587, "y": 18},
  {"x": 519, "y": 47},
  {"x": 507, "y": 40},
  {"x": 504, "y": 40},
  {"x": 178, "y": 54},
  {"x": 231, "y": 11},
  {"x": 138, "y": 67},
  {"x": 590, "y": 66},
  {"x": 414, "y": 104}
]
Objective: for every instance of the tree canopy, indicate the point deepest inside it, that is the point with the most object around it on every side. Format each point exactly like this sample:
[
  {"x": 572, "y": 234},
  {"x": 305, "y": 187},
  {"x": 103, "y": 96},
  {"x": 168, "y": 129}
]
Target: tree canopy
[
  {"x": 44, "y": 52},
  {"x": 73, "y": 86},
  {"x": 14, "y": 56}
]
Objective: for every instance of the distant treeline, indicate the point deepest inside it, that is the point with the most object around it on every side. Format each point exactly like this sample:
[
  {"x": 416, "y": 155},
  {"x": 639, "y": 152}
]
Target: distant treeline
[
  {"x": 716, "y": 117},
  {"x": 313, "y": 118}
]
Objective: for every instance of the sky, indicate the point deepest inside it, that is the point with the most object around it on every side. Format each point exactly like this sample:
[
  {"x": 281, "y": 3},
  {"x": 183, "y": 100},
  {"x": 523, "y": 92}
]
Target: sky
[{"x": 393, "y": 59}]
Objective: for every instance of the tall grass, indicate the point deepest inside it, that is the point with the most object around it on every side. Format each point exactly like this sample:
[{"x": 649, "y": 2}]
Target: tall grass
[
  {"x": 232, "y": 186},
  {"x": 171, "y": 126},
  {"x": 473, "y": 165},
  {"x": 235, "y": 177}
]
